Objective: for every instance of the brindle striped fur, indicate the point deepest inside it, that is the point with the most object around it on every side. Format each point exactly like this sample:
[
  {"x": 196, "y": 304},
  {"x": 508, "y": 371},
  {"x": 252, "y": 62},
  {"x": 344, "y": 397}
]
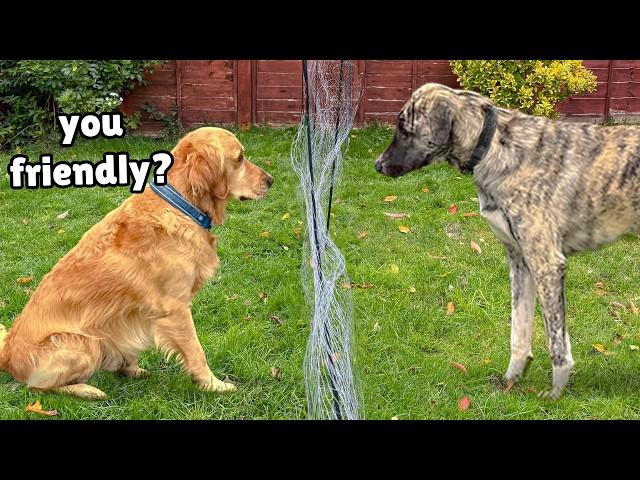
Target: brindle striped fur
[{"x": 548, "y": 189}]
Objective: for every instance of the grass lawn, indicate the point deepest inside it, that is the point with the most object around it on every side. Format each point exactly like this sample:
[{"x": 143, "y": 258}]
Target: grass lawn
[{"x": 406, "y": 342}]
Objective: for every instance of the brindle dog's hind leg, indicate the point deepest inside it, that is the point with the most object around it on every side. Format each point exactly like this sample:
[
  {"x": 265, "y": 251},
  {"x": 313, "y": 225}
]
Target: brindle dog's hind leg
[
  {"x": 522, "y": 312},
  {"x": 548, "y": 267}
]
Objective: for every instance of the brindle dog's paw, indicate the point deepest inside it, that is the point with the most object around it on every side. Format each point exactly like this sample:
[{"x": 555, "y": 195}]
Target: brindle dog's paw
[{"x": 517, "y": 370}]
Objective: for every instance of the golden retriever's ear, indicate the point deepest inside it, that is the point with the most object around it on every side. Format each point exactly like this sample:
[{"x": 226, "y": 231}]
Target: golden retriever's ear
[{"x": 205, "y": 172}]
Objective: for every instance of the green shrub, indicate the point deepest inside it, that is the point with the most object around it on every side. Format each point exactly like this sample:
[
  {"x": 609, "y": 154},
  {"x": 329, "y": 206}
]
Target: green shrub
[
  {"x": 33, "y": 91},
  {"x": 532, "y": 86}
]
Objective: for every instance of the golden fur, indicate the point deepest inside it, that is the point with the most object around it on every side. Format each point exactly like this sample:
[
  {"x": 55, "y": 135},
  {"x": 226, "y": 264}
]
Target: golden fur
[{"x": 128, "y": 284}]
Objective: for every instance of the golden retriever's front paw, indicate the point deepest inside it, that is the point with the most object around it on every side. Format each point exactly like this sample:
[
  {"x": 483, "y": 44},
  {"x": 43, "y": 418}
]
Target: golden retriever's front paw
[{"x": 217, "y": 386}]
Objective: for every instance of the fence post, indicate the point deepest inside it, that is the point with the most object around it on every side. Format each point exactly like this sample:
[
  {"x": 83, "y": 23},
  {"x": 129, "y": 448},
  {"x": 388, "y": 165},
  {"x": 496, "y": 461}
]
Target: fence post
[
  {"x": 178, "y": 66},
  {"x": 362, "y": 71},
  {"x": 244, "y": 94},
  {"x": 607, "y": 101}
]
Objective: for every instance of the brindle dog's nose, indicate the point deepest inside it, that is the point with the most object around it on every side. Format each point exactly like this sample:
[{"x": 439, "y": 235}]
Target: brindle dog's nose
[{"x": 378, "y": 166}]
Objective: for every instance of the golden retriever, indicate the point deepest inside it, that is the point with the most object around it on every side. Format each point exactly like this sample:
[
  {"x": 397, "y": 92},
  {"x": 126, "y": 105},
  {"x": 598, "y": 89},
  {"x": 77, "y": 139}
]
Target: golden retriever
[{"x": 129, "y": 283}]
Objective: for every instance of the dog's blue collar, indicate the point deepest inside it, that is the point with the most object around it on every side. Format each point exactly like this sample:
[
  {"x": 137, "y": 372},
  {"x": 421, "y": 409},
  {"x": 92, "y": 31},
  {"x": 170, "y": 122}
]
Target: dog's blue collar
[{"x": 172, "y": 197}]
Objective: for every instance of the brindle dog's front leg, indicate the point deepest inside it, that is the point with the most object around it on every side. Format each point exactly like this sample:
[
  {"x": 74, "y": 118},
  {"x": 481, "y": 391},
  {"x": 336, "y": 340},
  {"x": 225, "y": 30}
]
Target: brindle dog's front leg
[
  {"x": 548, "y": 267},
  {"x": 522, "y": 312}
]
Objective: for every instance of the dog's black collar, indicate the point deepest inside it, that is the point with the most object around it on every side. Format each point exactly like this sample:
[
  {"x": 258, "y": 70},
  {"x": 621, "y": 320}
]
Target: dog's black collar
[{"x": 488, "y": 129}]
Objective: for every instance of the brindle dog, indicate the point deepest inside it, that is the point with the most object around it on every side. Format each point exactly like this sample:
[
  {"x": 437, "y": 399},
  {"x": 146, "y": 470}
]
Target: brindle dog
[{"x": 548, "y": 189}]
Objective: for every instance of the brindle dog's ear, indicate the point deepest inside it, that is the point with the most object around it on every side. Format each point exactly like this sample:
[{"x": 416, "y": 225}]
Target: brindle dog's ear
[{"x": 442, "y": 120}]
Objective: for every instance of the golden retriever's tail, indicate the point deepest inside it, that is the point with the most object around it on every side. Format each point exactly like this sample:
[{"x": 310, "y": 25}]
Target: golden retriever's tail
[{"x": 3, "y": 335}]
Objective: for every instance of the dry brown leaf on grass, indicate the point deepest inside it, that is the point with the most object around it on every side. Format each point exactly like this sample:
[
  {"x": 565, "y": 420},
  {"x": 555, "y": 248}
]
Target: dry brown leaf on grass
[
  {"x": 464, "y": 403},
  {"x": 404, "y": 229},
  {"x": 23, "y": 280},
  {"x": 362, "y": 235},
  {"x": 36, "y": 407},
  {"x": 459, "y": 366},
  {"x": 437, "y": 257},
  {"x": 275, "y": 373},
  {"x": 451, "y": 308},
  {"x": 263, "y": 296},
  {"x": 412, "y": 289},
  {"x": 297, "y": 231},
  {"x": 390, "y": 198},
  {"x": 396, "y": 215},
  {"x": 599, "y": 286},
  {"x": 475, "y": 247},
  {"x": 618, "y": 305},
  {"x": 265, "y": 234},
  {"x": 277, "y": 320},
  {"x": 453, "y": 209},
  {"x": 470, "y": 214},
  {"x": 426, "y": 190},
  {"x": 633, "y": 308}
]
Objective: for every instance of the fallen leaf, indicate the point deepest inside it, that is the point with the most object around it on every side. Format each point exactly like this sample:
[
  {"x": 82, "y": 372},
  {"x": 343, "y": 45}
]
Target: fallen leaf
[
  {"x": 36, "y": 407},
  {"x": 23, "y": 280},
  {"x": 263, "y": 296},
  {"x": 390, "y": 198},
  {"x": 464, "y": 403},
  {"x": 396, "y": 215},
  {"x": 599, "y": 347},
  {"x": 63, "y": 215},
  {"x": 297, "y": 231},
  {"x": 275, "y": 373},
  {"x": 265, "y": 234},
  {"x": 633, "y": 308},
  {"x": 599, "y": 286},
  {"x": 425, "y": 189},
  {"x": 618, "y": 305},
  {"x": 277, "y": 320},
  {"x": 61, "y": 231},
  {"x": 361, "y": 235},
  {"x": 460, "y": 367},
  {"x": 531, "y": 390},
  {"x": 475, "y": 247},
  {"x": 470, "y": 214},
  {"x": 437, "y": 257},
  {"x": 268, "y": 163},
  {"x": 395, "y": 269},
  {"x": 404, "y": 229},
  {"x": 412, "y": 289},
  {"x": 451, "y": 308},
  {"x": 633, "y": 347},
  {"x": 486, "y": 361},
  {"x": 346, "y": 286},
  {"x": 285, "y": 216},
  {"x": 453, "y": 209}
]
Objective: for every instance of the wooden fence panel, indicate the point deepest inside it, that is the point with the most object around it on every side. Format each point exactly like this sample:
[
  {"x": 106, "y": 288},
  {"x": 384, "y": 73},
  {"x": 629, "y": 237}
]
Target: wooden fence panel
[{"x": 248, "y": 92}]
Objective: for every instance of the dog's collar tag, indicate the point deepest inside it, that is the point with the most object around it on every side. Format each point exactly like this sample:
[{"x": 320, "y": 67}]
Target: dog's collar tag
[
  {"x": 173, "y": 197},
  {"x": 488, "y": 129}
]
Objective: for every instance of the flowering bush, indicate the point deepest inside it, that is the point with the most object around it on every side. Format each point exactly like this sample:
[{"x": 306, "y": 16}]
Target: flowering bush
[{"x": 532, "y": 86}]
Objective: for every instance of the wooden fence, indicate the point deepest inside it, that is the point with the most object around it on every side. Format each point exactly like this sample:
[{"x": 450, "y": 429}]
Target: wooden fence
[{"x": 245, "y": 92}]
